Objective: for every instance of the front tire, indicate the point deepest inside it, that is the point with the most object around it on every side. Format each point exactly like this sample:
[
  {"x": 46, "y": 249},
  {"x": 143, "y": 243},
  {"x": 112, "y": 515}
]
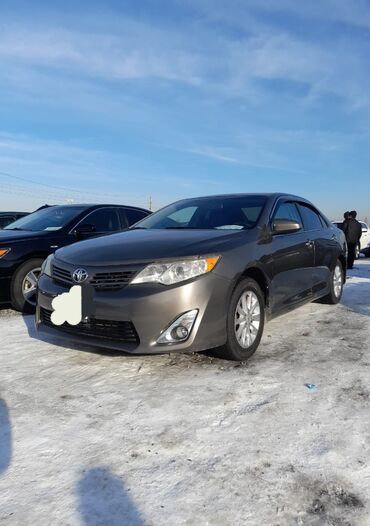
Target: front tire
[
  {"x": 23, "y": 286},
  {"x": 245, "y": 321},
  {"x": 336, "y": 285}
]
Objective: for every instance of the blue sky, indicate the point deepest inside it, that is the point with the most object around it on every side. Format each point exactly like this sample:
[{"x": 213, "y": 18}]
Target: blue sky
[{"x": 117, "y": 101}]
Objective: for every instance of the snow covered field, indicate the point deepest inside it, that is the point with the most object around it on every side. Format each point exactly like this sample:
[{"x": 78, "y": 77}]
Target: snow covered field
[{"x": 96, "y": 438}]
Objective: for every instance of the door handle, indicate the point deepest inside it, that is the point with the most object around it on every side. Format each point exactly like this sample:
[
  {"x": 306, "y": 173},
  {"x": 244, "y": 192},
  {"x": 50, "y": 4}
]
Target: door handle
[{"x": 309, "y": 243}]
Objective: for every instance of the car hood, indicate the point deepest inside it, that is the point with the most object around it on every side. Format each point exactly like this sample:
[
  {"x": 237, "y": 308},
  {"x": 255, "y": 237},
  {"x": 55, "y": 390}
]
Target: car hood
[
  {"x": 148, "y": 245},
  {"x": 11, "y": 236}
]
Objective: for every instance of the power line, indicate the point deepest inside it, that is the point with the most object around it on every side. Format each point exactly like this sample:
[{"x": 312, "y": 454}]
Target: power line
[
  {"x": 35, "y": 182},
  {"x": 65, "y": 189}
]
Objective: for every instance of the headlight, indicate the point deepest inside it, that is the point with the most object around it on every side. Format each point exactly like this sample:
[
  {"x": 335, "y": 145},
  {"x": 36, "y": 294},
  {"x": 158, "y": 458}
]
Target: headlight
[
  {"x": 46, "y": 266},
  {"x": 176, "y": 271},
  {"x": 4, "y": 252}
]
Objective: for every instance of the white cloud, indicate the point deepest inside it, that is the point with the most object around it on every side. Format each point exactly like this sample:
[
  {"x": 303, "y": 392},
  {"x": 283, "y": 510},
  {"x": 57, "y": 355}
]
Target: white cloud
[
  {"x": 203, "y": 54},
  {"x": 128, "y": 56}
]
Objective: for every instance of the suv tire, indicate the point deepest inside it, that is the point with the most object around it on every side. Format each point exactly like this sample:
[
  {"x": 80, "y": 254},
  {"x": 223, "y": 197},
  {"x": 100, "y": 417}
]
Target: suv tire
[{"x": 22, "y": 291}]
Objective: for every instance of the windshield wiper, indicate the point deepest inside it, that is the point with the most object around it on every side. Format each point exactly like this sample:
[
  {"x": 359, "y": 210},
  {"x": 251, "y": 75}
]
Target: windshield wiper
[
  {"x": 16, "y": 228},
  {"x": 138, "y": 228}
]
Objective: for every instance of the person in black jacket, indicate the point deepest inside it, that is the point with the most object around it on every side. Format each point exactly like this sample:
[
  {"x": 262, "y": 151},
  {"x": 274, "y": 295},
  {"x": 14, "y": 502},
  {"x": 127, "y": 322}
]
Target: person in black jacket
[
  {"x": 353, "y": 231},
  {"x": 345, "y": 220}
]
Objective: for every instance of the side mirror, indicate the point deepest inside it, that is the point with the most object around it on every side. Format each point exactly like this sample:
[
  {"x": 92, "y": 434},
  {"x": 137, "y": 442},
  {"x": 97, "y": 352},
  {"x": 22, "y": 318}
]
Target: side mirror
[
  {"x": 285, "y": 226},
  {"x": 82, "y": 230}
]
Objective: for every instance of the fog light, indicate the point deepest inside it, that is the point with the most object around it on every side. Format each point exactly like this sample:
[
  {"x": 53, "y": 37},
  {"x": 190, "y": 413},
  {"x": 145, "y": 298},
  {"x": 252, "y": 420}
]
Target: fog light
[
  {"x": 180, "y": 333},
  {"x": 180, "y": 329}
]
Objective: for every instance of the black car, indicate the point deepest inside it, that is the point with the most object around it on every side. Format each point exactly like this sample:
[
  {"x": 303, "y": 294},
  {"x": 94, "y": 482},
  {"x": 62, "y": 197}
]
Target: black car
[
  {"x": 199, "y": 274},
  {"x": 26, "y": 243},
  {"x": 9, "y": 217}
]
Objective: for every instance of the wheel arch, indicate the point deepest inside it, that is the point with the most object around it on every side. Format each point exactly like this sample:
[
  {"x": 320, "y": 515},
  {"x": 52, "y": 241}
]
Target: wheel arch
[
  {"x": 260, "y": 277},
  {"x": 33, "y": 255}
]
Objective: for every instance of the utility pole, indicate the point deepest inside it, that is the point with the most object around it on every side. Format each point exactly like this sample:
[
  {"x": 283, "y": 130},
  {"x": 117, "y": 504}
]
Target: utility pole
[{"x": 150, "y": 203}]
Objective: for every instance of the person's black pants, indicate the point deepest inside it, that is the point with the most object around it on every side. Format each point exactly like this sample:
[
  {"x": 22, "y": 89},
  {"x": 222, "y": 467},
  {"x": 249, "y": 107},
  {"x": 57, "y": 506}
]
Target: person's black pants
[{"x": 351, "y": 254}]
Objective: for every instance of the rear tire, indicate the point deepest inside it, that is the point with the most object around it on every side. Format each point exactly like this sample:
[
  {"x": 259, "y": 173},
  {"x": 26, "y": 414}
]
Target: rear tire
[
  {"x": 22, "y": 288},
  {"x": 336, "y": 285},
  {"x": 245, "y": 321}
]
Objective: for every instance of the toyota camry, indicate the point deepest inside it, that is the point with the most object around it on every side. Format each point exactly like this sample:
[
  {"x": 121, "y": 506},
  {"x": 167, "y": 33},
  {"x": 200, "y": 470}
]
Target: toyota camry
[{"x": 203, "y": 273}]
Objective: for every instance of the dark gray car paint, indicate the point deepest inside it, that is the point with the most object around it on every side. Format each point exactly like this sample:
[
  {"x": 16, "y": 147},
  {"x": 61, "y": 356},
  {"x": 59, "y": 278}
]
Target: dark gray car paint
[{"x": 291, "y": 268}]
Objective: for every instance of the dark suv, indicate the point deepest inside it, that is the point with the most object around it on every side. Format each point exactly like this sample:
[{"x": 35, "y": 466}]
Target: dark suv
[
  {"x": 26, "y": 243},
  {"x": 199, "y": 274}
]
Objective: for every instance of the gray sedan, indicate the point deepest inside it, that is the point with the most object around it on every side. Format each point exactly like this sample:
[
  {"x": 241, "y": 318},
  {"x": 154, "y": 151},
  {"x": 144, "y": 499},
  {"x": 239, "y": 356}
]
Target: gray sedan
[{"x": 202, "y": 273}]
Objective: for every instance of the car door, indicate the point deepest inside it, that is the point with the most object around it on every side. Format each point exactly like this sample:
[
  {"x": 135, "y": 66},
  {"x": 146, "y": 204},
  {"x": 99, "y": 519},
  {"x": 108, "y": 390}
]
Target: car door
[
  {"x": 99, "y": 222},
  {"x": 325, "y": 246},
  {"x": 292, "y": 261}
]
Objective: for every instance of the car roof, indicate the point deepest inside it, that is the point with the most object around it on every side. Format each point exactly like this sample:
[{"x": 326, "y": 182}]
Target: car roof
[
  {"x": 250, "y": 194},
  {"x": 97, "y": 205}
]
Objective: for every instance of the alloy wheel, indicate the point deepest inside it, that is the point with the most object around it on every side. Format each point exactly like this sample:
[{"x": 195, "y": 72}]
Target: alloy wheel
[
  {"x": 29, "y": 285},
  {"x": 247, "y": 319},
  {"x": 337, "y": 281}
]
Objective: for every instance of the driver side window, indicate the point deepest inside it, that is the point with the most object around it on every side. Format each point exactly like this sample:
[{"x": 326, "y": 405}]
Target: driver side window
[
  {"x": 288, "y": 211},
  {"x": 104, "y": 220}
]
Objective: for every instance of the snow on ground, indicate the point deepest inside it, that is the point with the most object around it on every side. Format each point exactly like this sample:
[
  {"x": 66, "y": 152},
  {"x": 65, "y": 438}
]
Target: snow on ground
[{"x": 96, "y": 438}]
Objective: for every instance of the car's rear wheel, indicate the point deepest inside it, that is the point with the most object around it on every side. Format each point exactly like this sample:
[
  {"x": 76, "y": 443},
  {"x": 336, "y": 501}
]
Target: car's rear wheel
[
  {"x": 24, "y": 285},
  {"x": 245, "y": 321},
  {"x": 336, "y": 285}
]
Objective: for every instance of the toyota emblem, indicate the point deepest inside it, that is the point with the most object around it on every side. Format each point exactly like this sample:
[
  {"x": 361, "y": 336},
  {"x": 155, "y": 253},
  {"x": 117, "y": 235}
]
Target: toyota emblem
[{"x": 80, "y": 275}]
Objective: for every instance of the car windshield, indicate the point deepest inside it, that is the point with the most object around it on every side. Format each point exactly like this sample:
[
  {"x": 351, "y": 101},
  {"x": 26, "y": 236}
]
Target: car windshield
[
  {"x": 52, "y": 218},
  {"x": 226, "y": 213}
]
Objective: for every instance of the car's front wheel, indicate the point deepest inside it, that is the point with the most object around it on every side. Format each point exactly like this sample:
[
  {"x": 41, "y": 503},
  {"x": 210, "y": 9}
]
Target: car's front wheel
[
  {"x": 245, "y": 321},
  {"x": 24, "y": 285}
]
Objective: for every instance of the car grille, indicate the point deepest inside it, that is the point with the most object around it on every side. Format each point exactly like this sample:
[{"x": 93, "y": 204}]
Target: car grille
[
  {"x": 111, "y": 280},
  {"x": 62, "y": 275},
  {"x": 121, "y": 331},
  {"x": 101, "y": 280}
]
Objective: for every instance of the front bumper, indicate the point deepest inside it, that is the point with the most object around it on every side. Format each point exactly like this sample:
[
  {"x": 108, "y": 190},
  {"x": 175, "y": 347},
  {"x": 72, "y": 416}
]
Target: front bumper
[
  {"x": 6, "y": 272},
  {"x": 150, "y": 308}
]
